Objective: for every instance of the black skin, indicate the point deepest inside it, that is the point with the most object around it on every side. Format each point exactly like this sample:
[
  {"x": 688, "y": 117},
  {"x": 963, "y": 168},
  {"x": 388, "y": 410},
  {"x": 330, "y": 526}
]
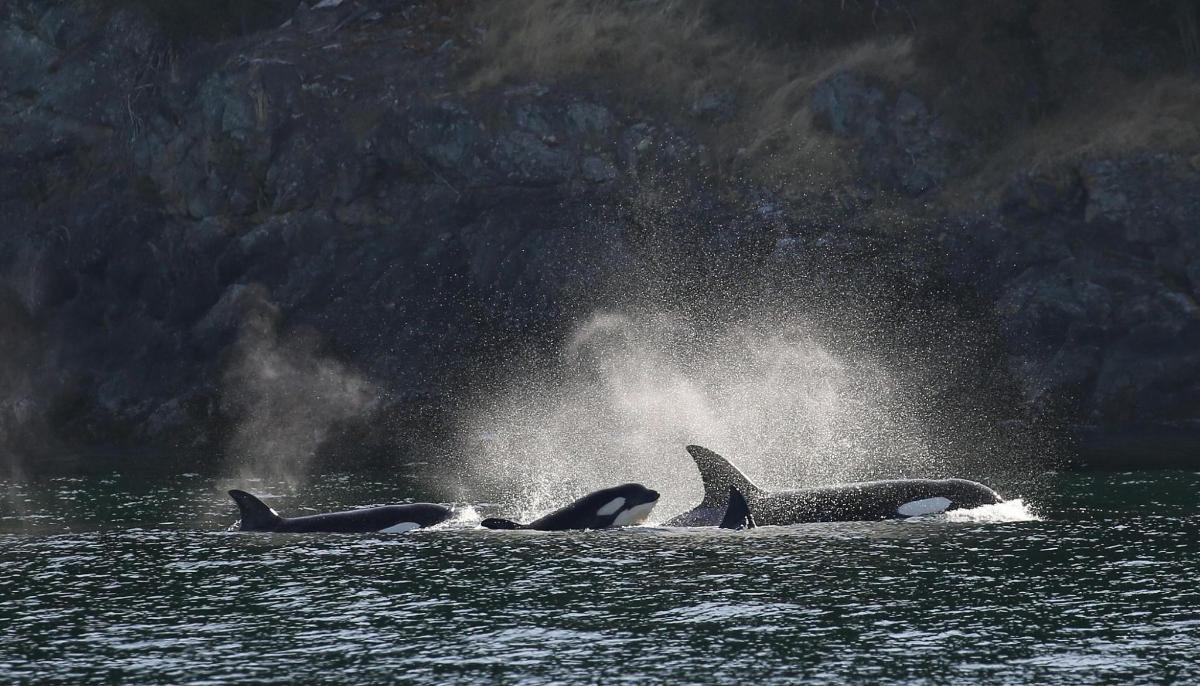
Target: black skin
[
  {"x": 863, "y": 501},
  {"x": 737, "y": 513},
  {"x": 256, "y": 516},
  {"x": 582, "y": 514}
]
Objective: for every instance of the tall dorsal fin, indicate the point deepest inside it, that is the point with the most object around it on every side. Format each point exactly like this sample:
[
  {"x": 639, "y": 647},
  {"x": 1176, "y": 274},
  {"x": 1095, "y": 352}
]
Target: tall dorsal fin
[
  {"x": 718, "y": 476},
  {"x": 256, "y": 516},
  {"x": 737, "y": 512}
]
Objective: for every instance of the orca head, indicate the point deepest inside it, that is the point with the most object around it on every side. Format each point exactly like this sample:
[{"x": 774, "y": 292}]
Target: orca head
[
  {"x": 427, "y": 514},
  {"x": 256, "y": 515},
  {"x": 624, "y": 505},
  {"x": 966, "y": 494},
  {"x": 935, "y": 497}
]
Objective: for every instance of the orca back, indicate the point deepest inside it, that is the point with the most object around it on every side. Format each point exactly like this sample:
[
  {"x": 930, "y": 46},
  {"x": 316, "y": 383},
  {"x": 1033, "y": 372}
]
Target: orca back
[
  {"x": 384, "y": 519},
  {"x": 498, "y": 523}
]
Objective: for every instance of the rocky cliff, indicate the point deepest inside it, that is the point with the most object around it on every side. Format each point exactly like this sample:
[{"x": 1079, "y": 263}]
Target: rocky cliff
[{"x": 342, "y": 202}]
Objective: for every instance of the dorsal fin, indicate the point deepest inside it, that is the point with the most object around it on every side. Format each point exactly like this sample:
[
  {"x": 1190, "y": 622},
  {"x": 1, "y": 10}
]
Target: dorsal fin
[
  {"x": 718, "y": 476},
  {"x": 737, "y": 513},
  {"x": 256, "y": 516}
]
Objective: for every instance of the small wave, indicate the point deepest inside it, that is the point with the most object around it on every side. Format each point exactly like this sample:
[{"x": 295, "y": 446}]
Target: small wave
[
  {"x": 1014, "y": 510},
  {"x": 465, "y": 516},
  {"x": 722, "y": 611}
]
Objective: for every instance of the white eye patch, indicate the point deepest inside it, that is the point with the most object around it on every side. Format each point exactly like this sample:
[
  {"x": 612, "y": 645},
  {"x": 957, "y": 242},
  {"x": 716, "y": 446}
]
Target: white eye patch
[
  {"x": 928, "y": 506},
  {"x": 612, "y": 506}
]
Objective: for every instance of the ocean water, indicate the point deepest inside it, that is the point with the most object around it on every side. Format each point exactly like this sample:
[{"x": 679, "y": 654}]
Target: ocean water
[{"x": 112, "y": 578}]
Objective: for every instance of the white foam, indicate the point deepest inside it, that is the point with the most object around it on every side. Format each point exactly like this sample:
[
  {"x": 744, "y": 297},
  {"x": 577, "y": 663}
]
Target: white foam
[
  {"x": 1014, "y": 510},
  {"x": 465, "y": 515}
]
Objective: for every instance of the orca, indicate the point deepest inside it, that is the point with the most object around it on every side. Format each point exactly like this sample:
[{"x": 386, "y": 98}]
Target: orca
[
  {"x": 862, "y": 501},
  {"x": 257, "y": 516},
  {"x": 622, "y": 505}
]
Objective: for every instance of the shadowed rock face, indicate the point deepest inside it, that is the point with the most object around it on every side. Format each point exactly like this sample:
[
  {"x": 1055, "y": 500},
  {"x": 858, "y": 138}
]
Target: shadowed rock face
[{"x": 335, "y": 176}]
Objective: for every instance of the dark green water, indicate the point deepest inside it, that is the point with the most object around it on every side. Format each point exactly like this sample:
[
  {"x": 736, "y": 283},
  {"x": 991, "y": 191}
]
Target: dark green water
[{"x": 110, "y": 579}]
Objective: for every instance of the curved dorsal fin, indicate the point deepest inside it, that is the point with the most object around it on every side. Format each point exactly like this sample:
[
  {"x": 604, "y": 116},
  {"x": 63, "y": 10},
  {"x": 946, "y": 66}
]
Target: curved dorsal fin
[
  {"x": 718, "y": 476},
  {"x": 256, "y": 516}
]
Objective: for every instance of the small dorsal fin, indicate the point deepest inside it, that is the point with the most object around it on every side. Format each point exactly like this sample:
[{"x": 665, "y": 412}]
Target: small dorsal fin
[
  {"x": 256, "y": 516},
  {"x": 718, "y": 476},
  {"x": 737, "y": 513}
]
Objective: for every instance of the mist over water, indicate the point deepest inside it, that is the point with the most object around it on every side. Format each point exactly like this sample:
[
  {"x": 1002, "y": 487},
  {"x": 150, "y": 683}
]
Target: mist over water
[
  {"x": 289, "y": 397},
  {"x": 627, "y": 393}
]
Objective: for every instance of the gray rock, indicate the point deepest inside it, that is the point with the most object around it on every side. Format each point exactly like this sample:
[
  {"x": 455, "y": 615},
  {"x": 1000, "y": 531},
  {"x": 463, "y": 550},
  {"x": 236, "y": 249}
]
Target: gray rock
[
  {"x": 1105, "y": 199},
  {"x": 910, "y": 110},
  {"x": 901, "y": 144},
  {"x": 524, "y": 159},
  {"x": 24, "y": 59},
  {"x": 635, "y": 144},
  {"x": 1044, "y": 192},
  {"x": 1193, "y": 274},
  {"x": 1041, "y": 305},
  {"x": 150, "y": 208},
  {"x": 240, "y": 305},
  {"x": 847, "y": 105},
  {"x": 448, "y": 138},
  {"x": 597, "y": 170},
  {"x": 714, "y": 106},
  {"x": 588, "y": 118},
  {"x": 532, "y": 118}
]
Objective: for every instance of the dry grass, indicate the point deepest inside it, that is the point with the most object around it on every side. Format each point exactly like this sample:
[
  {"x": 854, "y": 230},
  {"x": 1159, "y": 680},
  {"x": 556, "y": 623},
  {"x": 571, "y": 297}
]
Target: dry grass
[
  {"x": 668, "y": 53},
  {"x": 1025, "y": 105},
  {"x": 1160, "y": 115}
]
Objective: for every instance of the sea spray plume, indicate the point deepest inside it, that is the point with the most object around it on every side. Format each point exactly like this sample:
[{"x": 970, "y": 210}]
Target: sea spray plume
[
  {"x": 286, "y": 396},
  {"x": 626, "y": 391}
]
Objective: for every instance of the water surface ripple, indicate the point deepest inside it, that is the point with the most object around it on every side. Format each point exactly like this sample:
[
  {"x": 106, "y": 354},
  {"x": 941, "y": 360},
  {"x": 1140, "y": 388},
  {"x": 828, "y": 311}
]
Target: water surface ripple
[{"x": 102, "y": 585}]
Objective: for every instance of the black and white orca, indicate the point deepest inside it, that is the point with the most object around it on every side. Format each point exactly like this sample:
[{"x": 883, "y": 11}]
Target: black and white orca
[
  {"x": 623, "y": 505},
  {"x": 862, "y": 501},
  {"x": 257, "y": 516}
]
